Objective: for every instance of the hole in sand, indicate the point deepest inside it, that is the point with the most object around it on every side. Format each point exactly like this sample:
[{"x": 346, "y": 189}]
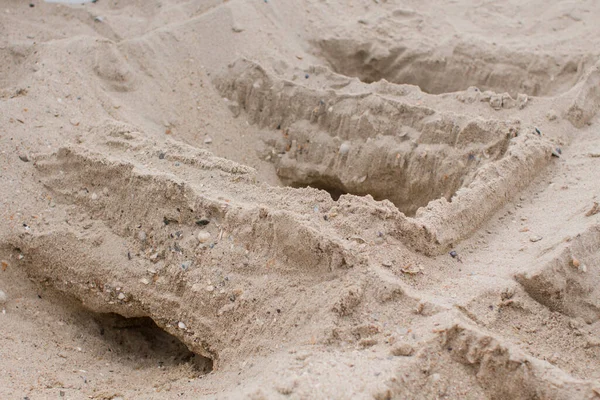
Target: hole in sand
[
  {"x": 439, "y": 71},
  {"x": 141, "y": 341},
  {"x": 391, "y": 168}
]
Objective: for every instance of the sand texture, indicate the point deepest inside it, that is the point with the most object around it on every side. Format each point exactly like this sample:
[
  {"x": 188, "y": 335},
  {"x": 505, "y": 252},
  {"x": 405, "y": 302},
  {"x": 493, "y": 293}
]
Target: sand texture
[{"x": 312, "y": 199}]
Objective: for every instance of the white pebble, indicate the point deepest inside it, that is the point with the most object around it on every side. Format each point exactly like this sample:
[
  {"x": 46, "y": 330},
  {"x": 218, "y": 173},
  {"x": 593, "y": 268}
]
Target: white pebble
[
  {"x": 142, "y": 236},
  {"x": 3, "y": 297},
  {"x": 145, "y": 281},
  {"x": 208, "y": 140},
  {"x": 203, "y": 237},
  {"x": 121, "y": 296},
  {"x": 210, "y": 288},
  {"x": 181, "y": 325},
  {"x": 94, "y": 196},
  {"x": 344, "y": 148}
]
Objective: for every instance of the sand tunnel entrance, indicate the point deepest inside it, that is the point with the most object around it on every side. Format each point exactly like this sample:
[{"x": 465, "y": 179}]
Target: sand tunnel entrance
[{"x": 141, "y": 340}]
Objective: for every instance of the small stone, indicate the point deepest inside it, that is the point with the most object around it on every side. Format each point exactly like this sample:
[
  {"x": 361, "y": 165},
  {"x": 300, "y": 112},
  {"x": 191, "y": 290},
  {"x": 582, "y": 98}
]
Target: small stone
[
  {"x": 203, "y": 237},
  {"x": 202, "y": 222},
  {"x": 161, "y": 155},
  {"x": 142, "y": 236},
  {"x": 534, "y": 239},
  {"x": 3, "y": 297},
  {"x": 208, "y": 140},
  {"x": 583, "y": 268},
  {"x": 186, "y": 265},
  {"x": 94, "y": 196},
  {"x": 306, "y": 76},
  {"x": 237, "y": 28},
  {"x": 145, "y": 281},
  {"x": 210, "y": 288},
  {"x": 181, "y": 326},
  {"x": 344, "y": 148},
  {"x": 121, "y": 296},
  {"x": 556, "y": 152},
  {"x": 403, "y": 349},
  {"x": 24, "y": 157},
  {"x": 575, "y": 262}
]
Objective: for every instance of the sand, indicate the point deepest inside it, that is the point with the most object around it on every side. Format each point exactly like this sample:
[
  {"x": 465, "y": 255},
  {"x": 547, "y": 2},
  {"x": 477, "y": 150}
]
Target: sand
[{"x": 325, "y": 199}]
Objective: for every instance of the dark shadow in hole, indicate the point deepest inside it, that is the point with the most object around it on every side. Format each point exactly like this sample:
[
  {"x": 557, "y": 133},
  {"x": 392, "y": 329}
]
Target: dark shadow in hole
[
  {"x": 141, "y": 339},
  {"x": 135, "y": 342}
]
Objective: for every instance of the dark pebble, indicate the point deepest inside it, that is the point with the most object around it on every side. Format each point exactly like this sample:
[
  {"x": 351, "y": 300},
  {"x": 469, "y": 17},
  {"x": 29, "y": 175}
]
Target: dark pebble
[
  {"x": 161, "y": 155},
  {"x": 24, "y": 158},
  {"x": 202, "y": 222},
  {"x": 453, "y": 254}
]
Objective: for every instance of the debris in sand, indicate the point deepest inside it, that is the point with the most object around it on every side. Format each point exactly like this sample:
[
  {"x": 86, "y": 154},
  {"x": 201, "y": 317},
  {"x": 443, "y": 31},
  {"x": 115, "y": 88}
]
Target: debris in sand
[
  {"x": 3, "y": 297},
  {"x": 594, "y": 210},
  {"x": 556, "y": 152},
  {"x": 455, "y": 255},
  {"x": 202, "y": 222},
  {"x": 24, "y": 158},
  {"x": 161, "y": 155},
  {"x": 203, "y": 237},
  {"x": 4, "y": 265},
  {"x": 142, "y": 236},
  {"x": 534, "y": 239},
  {"x": 344, "y": 148},
  {"x": 575, "y": 262},
  {"x": 186, "y": 265},
  {"x": 537, "y": 131},
  {"x": 181, "y": 326},
  {"x": 208, "y": 140}
]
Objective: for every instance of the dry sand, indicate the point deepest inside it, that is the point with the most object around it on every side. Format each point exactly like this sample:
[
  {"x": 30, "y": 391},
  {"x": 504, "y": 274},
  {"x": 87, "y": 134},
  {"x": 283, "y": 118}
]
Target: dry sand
[{"x": 314, "y": 199}]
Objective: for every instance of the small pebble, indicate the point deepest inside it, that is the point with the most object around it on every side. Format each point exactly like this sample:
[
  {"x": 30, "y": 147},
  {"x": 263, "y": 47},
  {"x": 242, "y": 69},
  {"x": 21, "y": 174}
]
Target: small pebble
[
  {"x": 142, "y": 236},
  {"x": 94, "y": 196},
  {"x": 556, "y": 152},
  {"x": 24, "y": 158},
  {"x": 121, "y": 296},
  {"x": 344, "y": 148},
  {"x": 181, "y": 325},
  {"x": 208, "y": 140},
  {"x": 186, "y": 264},
  {"x": 203, "y": 237},
  {"x": 210, "y": 288},
  {"x": 145, "y": 281},
  {"x": 306, "y": 76},
  {"x": 3, "y": 297},
  {"x": 161, "y": 156},
  {"x": 575, "y": 262},
  {"x": 535, "y": 239}
]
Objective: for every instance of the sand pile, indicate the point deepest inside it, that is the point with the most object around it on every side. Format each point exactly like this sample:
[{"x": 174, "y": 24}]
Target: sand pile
[{"x": 243, "y": 199}]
